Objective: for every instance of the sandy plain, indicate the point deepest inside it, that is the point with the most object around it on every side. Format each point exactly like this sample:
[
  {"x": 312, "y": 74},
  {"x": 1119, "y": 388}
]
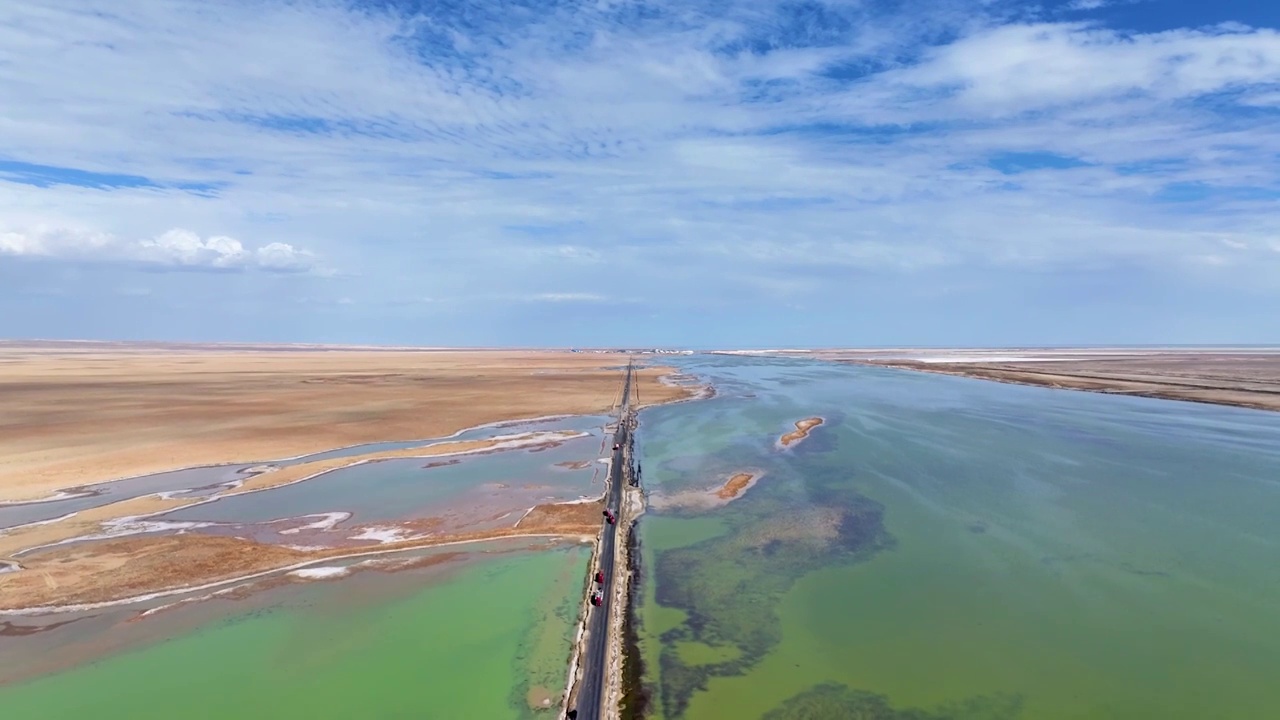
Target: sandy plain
[
  {"x": 1243, "y": 377},
  {"x": 76, "y": 414}
]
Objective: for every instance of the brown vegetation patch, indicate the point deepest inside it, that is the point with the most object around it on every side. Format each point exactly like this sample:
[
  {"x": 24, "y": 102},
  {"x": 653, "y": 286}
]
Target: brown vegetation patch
[
  {"x": 85, "y": 522},
  {"x": 132, "y": 566},
  {"x": 736, "y": 486},
  {"x": 560, "y": 515},
  {"x": 110, "y": 570},
  {"x": 801, "y": 432}
]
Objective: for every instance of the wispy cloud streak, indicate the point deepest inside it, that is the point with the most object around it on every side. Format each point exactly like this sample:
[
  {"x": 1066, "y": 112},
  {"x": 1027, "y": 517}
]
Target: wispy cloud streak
[{"x": 708, "y": 146}]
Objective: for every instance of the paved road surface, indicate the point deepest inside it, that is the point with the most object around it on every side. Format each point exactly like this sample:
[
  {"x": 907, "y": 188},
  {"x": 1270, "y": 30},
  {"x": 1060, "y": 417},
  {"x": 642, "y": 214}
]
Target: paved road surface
[{"x": 593, "y": 661}]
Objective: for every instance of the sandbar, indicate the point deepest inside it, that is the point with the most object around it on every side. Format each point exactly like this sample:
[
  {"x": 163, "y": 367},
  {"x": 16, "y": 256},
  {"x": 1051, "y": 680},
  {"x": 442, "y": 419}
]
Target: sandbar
[
  {"x": 803, "y": 427},
  {"x": 736, "y": 485},
  {"x": 706, "y": 498}
]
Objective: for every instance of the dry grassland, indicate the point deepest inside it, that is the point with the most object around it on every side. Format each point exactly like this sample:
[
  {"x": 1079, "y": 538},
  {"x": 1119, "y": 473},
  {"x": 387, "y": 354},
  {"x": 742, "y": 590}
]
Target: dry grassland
[{"x": 73, "y": 417}]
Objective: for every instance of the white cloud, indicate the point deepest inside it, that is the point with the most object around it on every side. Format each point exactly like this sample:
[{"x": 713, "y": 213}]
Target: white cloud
[
  {"x": 176, "y": 248},
  {"x": 409, "y": 149},
  {"x": 283, "y": 257},
  {"x": 183, "y": 248},
  {"x": 1017, "y": 68}
]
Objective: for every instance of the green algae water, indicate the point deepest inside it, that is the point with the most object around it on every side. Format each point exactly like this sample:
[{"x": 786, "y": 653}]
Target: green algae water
[
  {"x": 953, "y": 549},
  {"x": 489, "y": 641}
]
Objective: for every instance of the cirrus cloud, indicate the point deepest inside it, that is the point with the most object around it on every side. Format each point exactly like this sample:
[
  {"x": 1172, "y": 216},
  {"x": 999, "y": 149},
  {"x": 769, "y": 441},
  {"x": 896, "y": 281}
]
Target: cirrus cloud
[{"x": 483, "y": 154}]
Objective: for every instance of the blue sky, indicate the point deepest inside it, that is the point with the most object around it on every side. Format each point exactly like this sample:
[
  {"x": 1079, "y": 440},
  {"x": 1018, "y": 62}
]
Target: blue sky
[{"x": 701, "y": 174}]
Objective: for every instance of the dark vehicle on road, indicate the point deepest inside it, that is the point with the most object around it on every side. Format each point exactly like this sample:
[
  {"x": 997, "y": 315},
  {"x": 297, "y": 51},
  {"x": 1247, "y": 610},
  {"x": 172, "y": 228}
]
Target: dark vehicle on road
[
  {"x": 609, "y": 516},
  {"x": 596, "y": 599},
  {"x": 600, "y": 576}
]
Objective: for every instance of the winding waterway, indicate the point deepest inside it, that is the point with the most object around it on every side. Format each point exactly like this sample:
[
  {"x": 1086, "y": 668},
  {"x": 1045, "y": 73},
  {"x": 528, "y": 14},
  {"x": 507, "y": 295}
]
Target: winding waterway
[{"x": 200, "y": 482}]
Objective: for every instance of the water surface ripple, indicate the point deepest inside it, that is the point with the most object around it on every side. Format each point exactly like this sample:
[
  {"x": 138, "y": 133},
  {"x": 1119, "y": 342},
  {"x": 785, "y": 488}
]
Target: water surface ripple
[{"x": 945, "y": 548}]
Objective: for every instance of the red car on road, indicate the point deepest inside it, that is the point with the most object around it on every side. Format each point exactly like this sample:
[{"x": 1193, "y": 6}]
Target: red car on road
[
  {"x": 600, "y": 577},
  {"x": 596, "y": 599},
  {"x": 609, "y": 516}
]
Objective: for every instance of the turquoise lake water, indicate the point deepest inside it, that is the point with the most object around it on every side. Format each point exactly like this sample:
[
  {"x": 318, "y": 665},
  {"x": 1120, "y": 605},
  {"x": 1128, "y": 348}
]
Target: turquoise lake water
[
  {"x": 488, "y": 638},
  {"x": 946, "y": 548}
]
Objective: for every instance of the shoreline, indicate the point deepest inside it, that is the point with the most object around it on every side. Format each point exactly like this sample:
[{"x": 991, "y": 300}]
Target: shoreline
[
  {"x": 729, "y": 487},
  {"x": 253, "y": 467},
  {"x": 354, "y": 461},
  {"x": 1154, "y": 387},
  {"x": 82, "y": 607},
  {"x": 136, "y": 525}
]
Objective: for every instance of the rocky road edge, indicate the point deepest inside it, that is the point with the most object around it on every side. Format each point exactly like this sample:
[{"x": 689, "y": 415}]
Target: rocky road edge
[
  {"x": 632, "y": 508},
  {"x": 570, "y": 697}
]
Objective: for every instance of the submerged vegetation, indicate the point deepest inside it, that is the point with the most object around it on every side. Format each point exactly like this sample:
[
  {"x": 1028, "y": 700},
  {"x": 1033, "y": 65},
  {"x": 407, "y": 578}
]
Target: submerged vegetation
[
  {"x": 541, "y": 657},
  {"x": 635, "y": 696},
  {"x": 834, "y": 700},
  {"x": 729, "y": 586},
  {"x": 942, "y": 549}
]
